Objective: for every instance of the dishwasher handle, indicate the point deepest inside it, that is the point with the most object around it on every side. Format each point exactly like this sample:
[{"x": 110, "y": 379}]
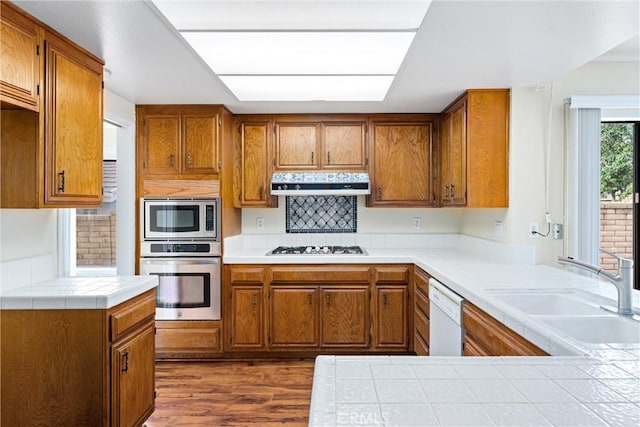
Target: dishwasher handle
[{"x": 445, "y": 299}]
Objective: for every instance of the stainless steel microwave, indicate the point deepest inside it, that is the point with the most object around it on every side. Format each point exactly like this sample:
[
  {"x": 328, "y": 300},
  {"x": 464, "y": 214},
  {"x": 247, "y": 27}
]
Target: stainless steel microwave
[{"x": 180, "y": 219}]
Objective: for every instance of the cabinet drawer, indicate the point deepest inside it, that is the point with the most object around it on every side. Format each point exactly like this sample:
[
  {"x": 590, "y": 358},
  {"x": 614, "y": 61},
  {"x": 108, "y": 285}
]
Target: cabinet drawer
[
  {"x": 321, "y": 274},
  {"x": 421, "y": 280},
  {"x": 392, "y": 274},
  {"x": 422, "y": 303},
  {"x": 188, "y": 340},
  {"x": 420, "y": 347},
  {"x": 247, "y": 275},
  {"x": 131, "y": 313},
  {"x": 422, "y": 326}
]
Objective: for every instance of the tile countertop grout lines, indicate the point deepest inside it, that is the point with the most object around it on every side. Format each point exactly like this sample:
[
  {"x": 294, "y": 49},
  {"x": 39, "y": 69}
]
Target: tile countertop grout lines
[{"x": 580, "y": 384}]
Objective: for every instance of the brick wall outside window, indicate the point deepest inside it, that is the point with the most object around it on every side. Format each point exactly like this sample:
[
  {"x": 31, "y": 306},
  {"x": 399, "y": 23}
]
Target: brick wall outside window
[
  {"x": 96, "y": 240},
  {"x": 616, "y": 232}
]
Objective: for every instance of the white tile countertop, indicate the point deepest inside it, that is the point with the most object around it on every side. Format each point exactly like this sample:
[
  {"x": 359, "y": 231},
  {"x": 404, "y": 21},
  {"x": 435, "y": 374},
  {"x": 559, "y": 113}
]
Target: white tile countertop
[
  {"x": 76, "y": 293},
  {"x": 474, "y": 391}
]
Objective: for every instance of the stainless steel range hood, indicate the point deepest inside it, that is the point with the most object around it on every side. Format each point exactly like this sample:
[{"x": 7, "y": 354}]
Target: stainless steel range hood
[{"x": 319, "y": 183}]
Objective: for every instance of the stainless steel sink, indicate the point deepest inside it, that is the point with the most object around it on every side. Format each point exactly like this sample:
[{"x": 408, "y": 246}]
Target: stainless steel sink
[{"x": 548, "y": 302}]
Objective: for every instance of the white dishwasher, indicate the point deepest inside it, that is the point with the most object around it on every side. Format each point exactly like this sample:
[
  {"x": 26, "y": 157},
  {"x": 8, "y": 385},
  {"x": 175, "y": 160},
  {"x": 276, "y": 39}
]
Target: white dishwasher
[{"x": 445, "y": 320}]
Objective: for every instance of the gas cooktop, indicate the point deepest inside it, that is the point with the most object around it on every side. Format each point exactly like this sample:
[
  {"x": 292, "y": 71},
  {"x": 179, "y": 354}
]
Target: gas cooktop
[{"x": 317, "y": 250}]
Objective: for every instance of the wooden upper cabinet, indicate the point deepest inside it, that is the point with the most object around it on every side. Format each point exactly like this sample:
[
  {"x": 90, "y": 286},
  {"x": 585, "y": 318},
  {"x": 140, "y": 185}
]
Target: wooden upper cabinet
[
  {"x": 162, "y": 150},
  {"x": 200, "y": 144},
  {"x": 178, "y": 141},
  {"x": 344, "y": 146},
  {"x": 297, "y": 146},
  {"x": 453, "y": 158},
  {"x": 253, "y": 165},
  {"x": 21, "y": 64},
  {"x": 402, "y": 158},
  {"x": 73, "y": 119},
  {"x": 52, "y": 117},
  {"x": 474, "y": 149}
]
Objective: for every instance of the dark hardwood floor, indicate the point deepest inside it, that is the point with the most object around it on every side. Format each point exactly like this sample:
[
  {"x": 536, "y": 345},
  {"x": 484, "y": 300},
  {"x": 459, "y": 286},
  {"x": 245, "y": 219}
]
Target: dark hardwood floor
[{"x": 231, "y": 393}]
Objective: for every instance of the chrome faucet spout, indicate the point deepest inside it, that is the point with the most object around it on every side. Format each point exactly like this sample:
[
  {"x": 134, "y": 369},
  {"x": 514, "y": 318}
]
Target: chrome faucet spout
[{"x": 623, "y": 281}]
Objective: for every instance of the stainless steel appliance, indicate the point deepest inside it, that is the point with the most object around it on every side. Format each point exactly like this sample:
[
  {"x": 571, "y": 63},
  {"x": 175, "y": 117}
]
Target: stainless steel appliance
[
  {"x": 174, "y": 218},
  {"x": 317, "y": 250},
  {"x": 320, "y": 183},
  {"x": 445, "y": 323},
  {"x": 180, "y": 243},
  {"x": 188, "y": 288}
]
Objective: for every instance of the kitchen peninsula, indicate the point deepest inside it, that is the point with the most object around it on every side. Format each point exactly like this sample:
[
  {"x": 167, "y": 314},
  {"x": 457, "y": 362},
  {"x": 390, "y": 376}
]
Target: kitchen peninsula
[
  {"x": 78, "y": 351},
  {"x": 584, "y": 382}
]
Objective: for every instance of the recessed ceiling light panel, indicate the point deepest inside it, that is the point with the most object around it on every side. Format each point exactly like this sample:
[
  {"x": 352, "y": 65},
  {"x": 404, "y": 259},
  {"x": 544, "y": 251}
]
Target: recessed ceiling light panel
[
  {"x": 301, "y": 52},
  {"x": 308, "y": 88}
]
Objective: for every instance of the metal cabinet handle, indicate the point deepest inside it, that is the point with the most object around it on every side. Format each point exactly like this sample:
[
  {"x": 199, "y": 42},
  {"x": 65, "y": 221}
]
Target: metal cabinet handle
[
  {"x": 125, "y": 357},
  {"x": 446, "y": 191},
  {"x": 261, "y": 192},
  {"x": 328, "y": 157},
  {"x": 312, "y": 154},
  {"x": 327, "y": 299},
  {"x": 310, "y": 299},
  {"x": 188, "y": 159},
  {"x": 61, "y": 186},
  {"x": 384, "y": 299},
  {"x": 170, "y": 160},
  {"x": 453, "y": 191},
  {"x": 379, "y": 193},
  {"x": 254, "y": 299}
]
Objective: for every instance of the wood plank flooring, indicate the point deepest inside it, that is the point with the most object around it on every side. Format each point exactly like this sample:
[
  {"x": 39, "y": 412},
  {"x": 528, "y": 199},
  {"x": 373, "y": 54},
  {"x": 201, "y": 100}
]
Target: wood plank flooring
[{"x": 232, "y": 393}]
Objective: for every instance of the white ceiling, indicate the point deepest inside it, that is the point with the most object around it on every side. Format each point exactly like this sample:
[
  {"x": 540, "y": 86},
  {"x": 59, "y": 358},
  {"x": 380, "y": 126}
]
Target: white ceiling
[{"x": 460, "y": 44}]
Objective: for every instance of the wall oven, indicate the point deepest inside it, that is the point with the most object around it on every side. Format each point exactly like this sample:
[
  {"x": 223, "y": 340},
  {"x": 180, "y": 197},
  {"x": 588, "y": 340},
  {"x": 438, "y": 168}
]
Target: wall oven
[
  {"x": 188, "y": 288},
  {"x": 180, "y": 243}
]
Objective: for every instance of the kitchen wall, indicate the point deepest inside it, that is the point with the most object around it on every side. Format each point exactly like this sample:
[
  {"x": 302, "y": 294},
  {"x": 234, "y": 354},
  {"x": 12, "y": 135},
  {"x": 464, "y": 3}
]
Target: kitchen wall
[
  {"x": 529, "y": 117},
  {"x": 528, "y": 136}
]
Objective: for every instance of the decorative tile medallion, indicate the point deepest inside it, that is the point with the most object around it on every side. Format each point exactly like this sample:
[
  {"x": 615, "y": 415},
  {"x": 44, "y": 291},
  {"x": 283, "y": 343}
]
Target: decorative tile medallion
[{"x": 321, "y": 214}]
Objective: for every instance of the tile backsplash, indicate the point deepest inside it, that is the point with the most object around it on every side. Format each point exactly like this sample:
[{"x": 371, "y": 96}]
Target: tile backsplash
[
  {"x": 321, "y": 214},
  {"x": 26, "y": 271}
]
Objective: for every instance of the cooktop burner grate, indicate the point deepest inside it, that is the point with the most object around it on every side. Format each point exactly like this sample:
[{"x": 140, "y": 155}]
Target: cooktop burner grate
[{"x": 317, "y": 250}]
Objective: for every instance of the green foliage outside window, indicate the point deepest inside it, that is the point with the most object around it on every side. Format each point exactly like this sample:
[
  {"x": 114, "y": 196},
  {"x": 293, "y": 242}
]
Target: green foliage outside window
[{"x": 616, "y": 160}]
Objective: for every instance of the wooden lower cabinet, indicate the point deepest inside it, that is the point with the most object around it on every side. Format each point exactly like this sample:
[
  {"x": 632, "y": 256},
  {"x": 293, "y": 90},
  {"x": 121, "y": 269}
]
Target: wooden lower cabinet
[
  {"x": 345, "y": 316},
  {"x": 88, "y": 367},
  {"x": 188, "y": 339},
  {"x": 317, "y": 309},
  {"x": 293, "y": 317},
  {"x": 485, "y": 336}
]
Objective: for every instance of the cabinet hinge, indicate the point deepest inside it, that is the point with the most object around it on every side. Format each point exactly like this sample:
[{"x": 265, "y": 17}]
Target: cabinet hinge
[
  {"x": 144, "y": 164},
  {"x": 37, "y": 89},
  {"x": 103, "y": 84},
  {"x": 155, "y": 394},
  {"x": 219, "y": 122},
  {"x": 239, "y": 128},
  {"x": 37, "y": 49},
  {"x": 155, "y": 331},
  {"x": 369, "y": 293},
  {"x": 369, "y": 343},
  {"x": 274, "y": 162},
  {"x": 366, "y": 161},
  {"x": 219, "y": 164}
]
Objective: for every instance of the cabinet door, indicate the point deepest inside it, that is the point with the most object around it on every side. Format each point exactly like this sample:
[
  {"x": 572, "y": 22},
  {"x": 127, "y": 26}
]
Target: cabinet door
[
  {"x": 253, "y": 176},
  {"x": 246, "y": 317},
  {"x": 344, "y": 146},
  {"x": 344, "y": 316},
  {"x": 391, "y": 317},
  {"x": 458, "y": 156},
  {"x": 297, "y": 146},
  {"x": 200, "y": 152},
  {"x": 402, "y": 165},
  {"x": 73, "y": 119},
  {"x": 162, "y": 144},
  {"x": 293, "y": 317},
  {"x": 20, "y": 66},
  {"x": 133, "y": 378}
]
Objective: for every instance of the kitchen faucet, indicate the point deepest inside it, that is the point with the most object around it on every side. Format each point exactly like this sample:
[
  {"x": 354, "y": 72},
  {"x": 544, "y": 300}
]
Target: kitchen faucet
[{"x": 623, "y": 281}]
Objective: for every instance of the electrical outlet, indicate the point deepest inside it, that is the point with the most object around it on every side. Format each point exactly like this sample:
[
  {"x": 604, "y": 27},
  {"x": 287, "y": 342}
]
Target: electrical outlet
[
  {"x": 497, "y": 228},
  {"x": 259, "y": 223},
  {"x": 416, "y": 223},
  {"x": 557, "y": 231},
  {"x": 533, "y": 229}
]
